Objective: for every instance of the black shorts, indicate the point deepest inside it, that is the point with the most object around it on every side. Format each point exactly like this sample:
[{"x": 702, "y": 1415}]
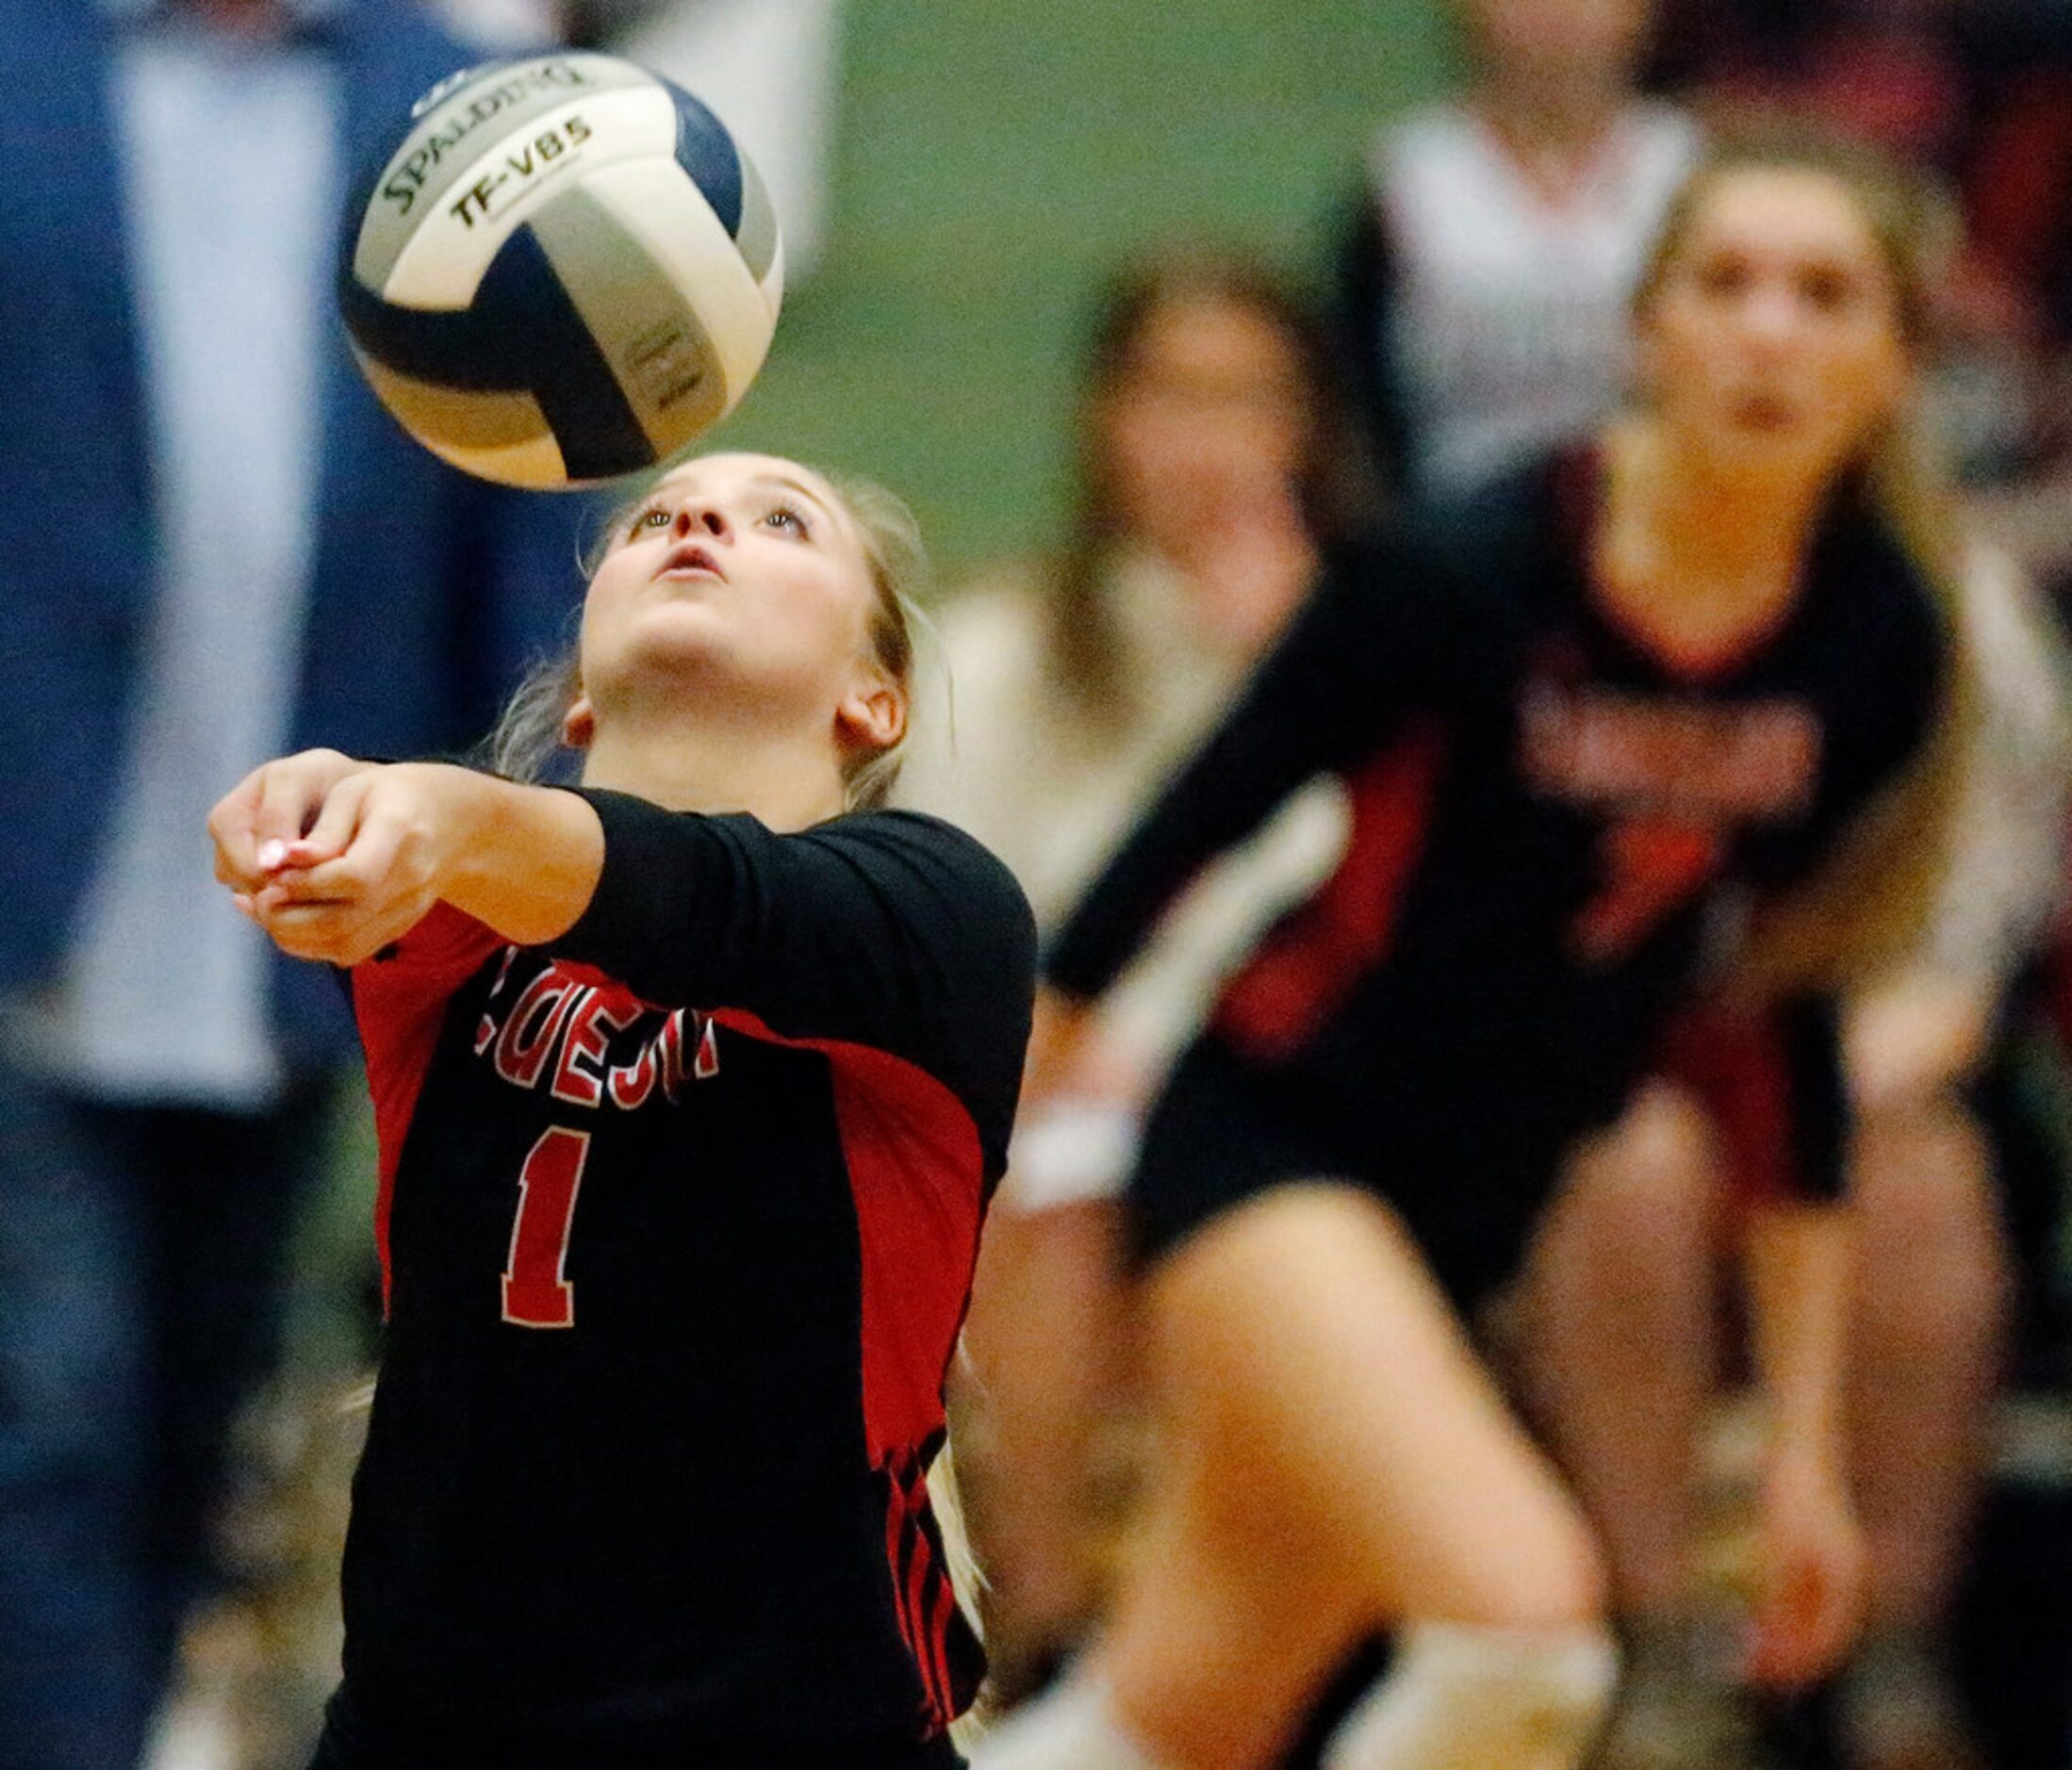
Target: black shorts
[
  {"x": 430, "y": 1741},
  {"x": 1468, "y": 1187}
]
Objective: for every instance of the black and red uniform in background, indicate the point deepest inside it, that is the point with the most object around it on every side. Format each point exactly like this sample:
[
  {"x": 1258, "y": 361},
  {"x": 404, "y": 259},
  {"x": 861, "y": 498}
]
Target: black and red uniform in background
[
  {"x": 1553, "y": 824},
  {"x": 677, "y": 1215}
]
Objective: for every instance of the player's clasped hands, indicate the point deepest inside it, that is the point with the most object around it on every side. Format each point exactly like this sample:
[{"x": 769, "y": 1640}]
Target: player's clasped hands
[{"x": 333, "y": 858}]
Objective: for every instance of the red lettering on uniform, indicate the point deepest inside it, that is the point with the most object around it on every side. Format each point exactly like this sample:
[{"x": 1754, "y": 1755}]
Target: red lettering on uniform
[
  {"x": 707, "y": 1065},
  {"x": 528, "y": 1035},
  {"x": 670, "y": 1048},
  {"x": 631, "y": 1084},
  {"x": 591, "y": 1021},
  {"x": 536, "y": 1291},
  {"x": 1753, "y": 759}
]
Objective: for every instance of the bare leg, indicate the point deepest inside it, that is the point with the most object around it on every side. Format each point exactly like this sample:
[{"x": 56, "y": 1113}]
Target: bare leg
[
  {"x": 1618, "y": 1335},
  {"x": 1619, "y": 1355},
  {"x": 1335, "y": 1459},
  {"x": 1046, "y": 1339},
  {"x": 1932, "y": 1296}
]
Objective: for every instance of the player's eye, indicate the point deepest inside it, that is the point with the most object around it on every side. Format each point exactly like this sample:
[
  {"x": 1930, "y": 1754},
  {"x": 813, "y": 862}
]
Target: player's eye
[
  {"x": 654, "y": 517},
  {"x": 1723, "y": 277},
  {"x": 789, "y": 519},
  {"x": 1825, "y": 290}
]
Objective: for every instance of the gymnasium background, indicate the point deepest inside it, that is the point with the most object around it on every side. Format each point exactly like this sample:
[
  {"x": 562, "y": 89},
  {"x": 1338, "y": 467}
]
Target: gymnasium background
[{"x": 993, "y": 158}]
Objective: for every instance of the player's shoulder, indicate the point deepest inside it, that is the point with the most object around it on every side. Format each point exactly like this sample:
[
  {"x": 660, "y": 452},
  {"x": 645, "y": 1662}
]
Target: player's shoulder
[
  {"x": 947, "y": 864},
  {"x": 1476, "y": 551},
  {"x": 1873, "y": 589}
]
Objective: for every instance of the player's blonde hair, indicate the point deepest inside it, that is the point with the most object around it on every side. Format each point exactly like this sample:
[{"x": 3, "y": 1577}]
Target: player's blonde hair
[
  {"x": 528, "y": 741},
  {"x": 1867, "y": 907}
]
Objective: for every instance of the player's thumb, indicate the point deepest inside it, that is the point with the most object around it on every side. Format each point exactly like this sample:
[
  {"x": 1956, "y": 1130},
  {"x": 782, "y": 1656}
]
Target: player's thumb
[{"x": 338, "y": 822}]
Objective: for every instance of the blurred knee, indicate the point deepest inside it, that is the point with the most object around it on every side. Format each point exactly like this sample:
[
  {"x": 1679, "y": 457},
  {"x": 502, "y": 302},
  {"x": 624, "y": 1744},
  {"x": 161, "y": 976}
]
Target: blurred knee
[
  {"x": 1645, "y": 1189},
  {"x": 1457, "y": 1695},
  {"x": 1542, "y": 1574}
]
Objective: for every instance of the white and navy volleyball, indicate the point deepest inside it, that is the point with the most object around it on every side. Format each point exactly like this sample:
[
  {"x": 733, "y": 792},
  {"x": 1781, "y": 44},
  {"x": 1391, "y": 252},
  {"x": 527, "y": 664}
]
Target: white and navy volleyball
[{"x": 567, "y": 271}]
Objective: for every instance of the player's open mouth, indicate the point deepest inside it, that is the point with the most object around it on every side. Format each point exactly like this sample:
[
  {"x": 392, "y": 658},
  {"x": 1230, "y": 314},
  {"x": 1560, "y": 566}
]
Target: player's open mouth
[
  {"x": 1765, "y": 412},
  {"x": 691, "y": 561}
]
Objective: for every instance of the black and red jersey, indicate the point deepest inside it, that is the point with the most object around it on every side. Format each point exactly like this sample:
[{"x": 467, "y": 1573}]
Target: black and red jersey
[
  {"x": 1552, "y": 820},
  {"x": 677, "y": 1215}
]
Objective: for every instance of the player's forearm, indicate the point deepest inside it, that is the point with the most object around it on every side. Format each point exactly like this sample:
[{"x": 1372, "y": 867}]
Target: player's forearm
[
  {"x": 1800, "y": 1256},
  {"x": 523, "y": 860}
]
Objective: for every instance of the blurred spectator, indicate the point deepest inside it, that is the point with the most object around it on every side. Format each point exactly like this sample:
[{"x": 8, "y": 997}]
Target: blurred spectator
[
  {"x": 1210, "y": 461},
  {"x": 216, "y": 545},
  {"x": 2011, "y": 311},
  {"x": 1486, "y": 275},
  {"x": 1886, "y": 71}
]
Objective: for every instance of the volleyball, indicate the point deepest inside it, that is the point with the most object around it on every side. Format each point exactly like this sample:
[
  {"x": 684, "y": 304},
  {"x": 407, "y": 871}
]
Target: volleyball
[{"x": 566, "y": 270}]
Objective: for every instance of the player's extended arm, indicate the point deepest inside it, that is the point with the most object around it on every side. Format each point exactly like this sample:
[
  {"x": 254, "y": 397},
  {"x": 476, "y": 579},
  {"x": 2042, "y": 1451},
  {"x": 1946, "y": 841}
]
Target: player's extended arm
[
  {"x": 1383, "y": 634},
  {"x": 391, "y": 841}
]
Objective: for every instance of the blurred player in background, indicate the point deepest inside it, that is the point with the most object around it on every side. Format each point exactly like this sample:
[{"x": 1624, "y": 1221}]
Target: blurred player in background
[
  {"x": 691, "y": 1085},
  {"x": 1701, "y": 666},
  {"x": 1210, "y": 453},
  {"x": 1619, "y": 1326},
  {"x": 252, "y": 557},
  {"x": 1619, "y": 1329}
]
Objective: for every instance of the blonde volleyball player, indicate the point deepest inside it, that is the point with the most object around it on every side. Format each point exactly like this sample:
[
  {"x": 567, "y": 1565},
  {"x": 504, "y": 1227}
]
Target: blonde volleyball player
[
  {"x": 691, "y": 1084},
  {"x": 1679, "y": 692}
]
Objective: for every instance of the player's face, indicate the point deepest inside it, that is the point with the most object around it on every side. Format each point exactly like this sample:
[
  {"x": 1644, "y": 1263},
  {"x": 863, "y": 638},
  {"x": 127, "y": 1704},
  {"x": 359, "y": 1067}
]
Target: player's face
[
  {"x": 1209, "y": 410},
  {"x": 1774, "y": 341},
  {"x": 741, "y": 573}
]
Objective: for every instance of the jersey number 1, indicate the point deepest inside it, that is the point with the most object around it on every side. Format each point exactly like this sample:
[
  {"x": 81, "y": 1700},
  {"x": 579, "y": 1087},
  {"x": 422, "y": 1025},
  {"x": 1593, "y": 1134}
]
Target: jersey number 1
[{"x": 536, "y": 1294}]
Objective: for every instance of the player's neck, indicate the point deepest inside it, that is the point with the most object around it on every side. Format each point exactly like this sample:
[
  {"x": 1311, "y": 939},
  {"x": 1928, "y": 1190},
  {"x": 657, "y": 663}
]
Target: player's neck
[
  {"x": 1690, "y": 544},
  {"x": 788, "y": 781},
  {"x": 1708, "y": 511}
]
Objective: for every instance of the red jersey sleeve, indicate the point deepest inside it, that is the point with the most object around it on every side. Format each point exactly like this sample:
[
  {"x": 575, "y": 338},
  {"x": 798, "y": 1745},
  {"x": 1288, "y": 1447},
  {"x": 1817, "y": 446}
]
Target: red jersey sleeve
[{"x": 399, "y": 1001}]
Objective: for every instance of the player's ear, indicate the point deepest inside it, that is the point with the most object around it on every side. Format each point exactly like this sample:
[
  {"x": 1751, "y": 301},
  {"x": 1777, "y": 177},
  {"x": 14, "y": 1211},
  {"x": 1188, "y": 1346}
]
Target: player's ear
[
  {"x": 579, "y": 724},
  {"x": 872, "y": 716}
]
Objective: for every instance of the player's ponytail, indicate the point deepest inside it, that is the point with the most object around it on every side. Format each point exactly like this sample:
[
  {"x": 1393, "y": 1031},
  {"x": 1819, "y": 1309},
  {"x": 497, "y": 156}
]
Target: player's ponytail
[{"x": 967, "y": 1580}]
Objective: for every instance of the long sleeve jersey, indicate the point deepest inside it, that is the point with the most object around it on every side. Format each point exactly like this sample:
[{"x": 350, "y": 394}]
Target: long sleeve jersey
[{"x": 677, "y": 1215}]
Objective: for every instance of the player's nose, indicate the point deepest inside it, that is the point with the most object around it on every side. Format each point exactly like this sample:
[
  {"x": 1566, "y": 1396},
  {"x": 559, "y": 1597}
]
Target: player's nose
[{"x": 702, "y": 519}]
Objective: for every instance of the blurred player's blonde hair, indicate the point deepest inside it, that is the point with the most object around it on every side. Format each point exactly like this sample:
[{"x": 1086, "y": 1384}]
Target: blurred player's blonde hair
[
  {"x": 1869, "y": 905},
  {"x": 528, "y": 736}
]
